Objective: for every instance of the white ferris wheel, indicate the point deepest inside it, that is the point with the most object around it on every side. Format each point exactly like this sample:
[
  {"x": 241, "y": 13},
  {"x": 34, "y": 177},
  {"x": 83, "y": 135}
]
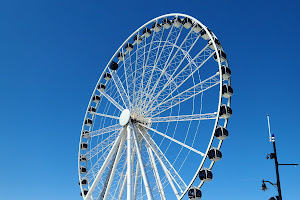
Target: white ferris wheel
[{"x": 157, "y": 117}]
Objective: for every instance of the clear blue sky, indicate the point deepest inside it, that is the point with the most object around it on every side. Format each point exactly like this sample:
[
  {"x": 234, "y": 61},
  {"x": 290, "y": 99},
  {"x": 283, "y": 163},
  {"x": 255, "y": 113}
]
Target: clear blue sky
[{"x": 53, "y": 52}]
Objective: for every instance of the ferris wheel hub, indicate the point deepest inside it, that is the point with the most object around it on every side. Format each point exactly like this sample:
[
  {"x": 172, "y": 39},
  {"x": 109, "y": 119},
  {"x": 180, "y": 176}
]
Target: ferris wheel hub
[{"x": 124, "y": 117}]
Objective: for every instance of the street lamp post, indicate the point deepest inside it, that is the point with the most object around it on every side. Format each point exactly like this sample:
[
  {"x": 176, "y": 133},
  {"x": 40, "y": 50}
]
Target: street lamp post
[{"x": 274, "y": 156}]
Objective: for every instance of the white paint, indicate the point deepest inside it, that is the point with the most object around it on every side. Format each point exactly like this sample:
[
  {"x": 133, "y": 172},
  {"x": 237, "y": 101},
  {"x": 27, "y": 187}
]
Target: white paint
[{"x": 124, "y": 117}]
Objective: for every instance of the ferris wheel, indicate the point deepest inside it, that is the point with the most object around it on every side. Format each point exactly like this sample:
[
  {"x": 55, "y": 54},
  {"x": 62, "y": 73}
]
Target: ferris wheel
[{"x": 157, "y": 117}]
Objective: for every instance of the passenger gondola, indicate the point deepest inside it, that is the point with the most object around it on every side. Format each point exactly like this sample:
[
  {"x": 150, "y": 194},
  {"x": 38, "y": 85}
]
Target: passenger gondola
[
  {"x": 137, "y": 39},
  {"x": 92, "y": 109},
  {"x": 221, "y": 133},
  {"x": 146, "y": 32},
  {"x": 129, "y": 47},
  {"x": 88, "y": 122},
  {"x": 187, "y": 23},
  {"x": 194, "y": 193},
  {"x": 227, "y": 91},
  {"x": 121, "y": 56},
  {"x": 82, "y": 158},
  {"x": 85, "y": 191},
  {"x": 222, "y": 55},
  {"x": 96, "y": 98},
  {"x": 101, "y": 87},
  {"x": 83, "y": 181},
  {"x": 166, "y": 23},
  {"x": 214, "y": 154},
  {"x": 83, "y": 146},
  {"x": 225, "y": 111},
  {"x": 210, "y": 44},
  {"x": 107, "y": 76},
  {"x": 114, "y": 65},
  {"x": 156, "y": 26},
  {"x": 196, "y": 28},
  {"x": 204, "y": 34},
  {"x": 83, "y": 170},
  {"x": 226, "y": 72},
  {"x": 85, "y": 134},
  {"x": 205, "y": 175},
  {"x": 176, "y": 22}
]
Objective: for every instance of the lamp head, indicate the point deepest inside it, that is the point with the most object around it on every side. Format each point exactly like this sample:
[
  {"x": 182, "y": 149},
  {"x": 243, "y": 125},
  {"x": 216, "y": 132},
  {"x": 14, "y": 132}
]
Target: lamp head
[{"x": 263, "y": 186}]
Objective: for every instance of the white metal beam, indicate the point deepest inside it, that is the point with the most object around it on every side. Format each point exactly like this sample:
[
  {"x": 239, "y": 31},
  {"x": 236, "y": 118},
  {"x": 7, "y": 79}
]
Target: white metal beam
[
  {"x": 156, "y": 174},
  {"x": 174, "y": 140},
  {"x": 103, "y": 167},
  {"x": 142, "y": 167}
]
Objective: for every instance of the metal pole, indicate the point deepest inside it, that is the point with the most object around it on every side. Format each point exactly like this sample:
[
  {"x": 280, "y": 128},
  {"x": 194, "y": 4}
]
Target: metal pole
[
  {"x": 277, "y": 171},
  {"x": 272, "y": 139}
]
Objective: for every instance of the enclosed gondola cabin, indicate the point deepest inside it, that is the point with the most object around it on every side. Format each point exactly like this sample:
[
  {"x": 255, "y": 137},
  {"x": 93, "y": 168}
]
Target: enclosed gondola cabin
[
  {"x": 92, "y": 109},
  {"x": 114, "y": 65},
  {"x": 137, "y": 39},
  {"x": 85, "y": 134},
  {"x": 82, "y": 170},
  {"x": 204, "y": 34},
  {"x": 129, "y": 47},
  {"x": 88, "y": 122},
  {"x": 196, "y": 28},
  {"x": 194, "y": 193},
  {"x": 146, "y": 32},
  {"x": 187, "y": 23},
  {"x": 225, "y": 111},
  {"x": 166, "y": 23},
  {"x": 227, "y": 91},
  {"x": 96, "y": 98},
  {"x": 121, "y": 56},
  {"x": 221, "y": 133},
  {"x": 214, "y": 154},
  {"x": 83, "y": 146},
  {"x": 82, "y": 158},
  {"x": 107, "y": 76},
  {"x": 222, "y": 55},
  {"x": 226, "y": 72},
  {"x": 85, "y": 191},
  {"x": 176, "y": 22},
  {"x": 83, "y": 181},
  {"x": 205, "y": 175},
  {"x": 210, "y": 43},
  {"x": 101, "y": 87},
  {"x": 156, "y": 26}
]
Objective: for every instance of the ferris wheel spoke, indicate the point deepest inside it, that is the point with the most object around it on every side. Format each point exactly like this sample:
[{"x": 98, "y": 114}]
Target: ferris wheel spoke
[
  {"x": 156, "y": 61},
  {"x": 121, "y": 175},
  {"x": 120, "y": 88},
  {"x": 109, "y": 98},
  {"x": 103, "y": 167},
  {"x": 146, "y": 61},
  {"x": 197, "y": 117},
  {"x": 111, "y": 177},
  {"x": 91, "y": 174},
  {"x": 141, "y": 165},
  {"x": 106, "y": 143},
  {"x": 181, "y": 77},
  {"x": 136, "y": 179},
  {"x": 184, "y": 44},
  {"x": 168, "y": 168},
  {"x": 104, "y": 115},
  {"x": 174, "y": 140},
  {"x": 192, "y": 66},
  {"x": 122, "y": 187},
  {"x": 156, "y": 174},
  {"x": 197, "y": 89},
  {"x": 166, "y": 65},
  {"x": 159, "y": 36},
  {"x": 105, "y": 130}
]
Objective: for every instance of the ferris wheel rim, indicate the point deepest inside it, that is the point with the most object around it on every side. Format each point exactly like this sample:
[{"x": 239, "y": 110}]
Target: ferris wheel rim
[{"x": 220, "y": 94}]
